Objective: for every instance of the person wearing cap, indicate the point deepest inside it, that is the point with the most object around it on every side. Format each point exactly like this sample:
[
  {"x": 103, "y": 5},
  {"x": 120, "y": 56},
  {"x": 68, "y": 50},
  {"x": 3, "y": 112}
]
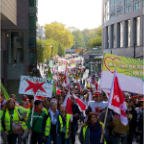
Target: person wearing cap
[
  {"x": 39, "y": 119},
  {"x": 97, "y": 105}
]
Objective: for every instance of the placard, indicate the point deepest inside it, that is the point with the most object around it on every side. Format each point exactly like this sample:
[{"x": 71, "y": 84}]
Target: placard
[{"x": 35, "y": 86}]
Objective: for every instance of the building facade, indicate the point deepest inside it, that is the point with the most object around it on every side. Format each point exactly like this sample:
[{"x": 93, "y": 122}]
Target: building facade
[
  {"x": 41, "y": 33},
  {"x": 19, "y": 45},
  {"x": 123, "y": 27}
]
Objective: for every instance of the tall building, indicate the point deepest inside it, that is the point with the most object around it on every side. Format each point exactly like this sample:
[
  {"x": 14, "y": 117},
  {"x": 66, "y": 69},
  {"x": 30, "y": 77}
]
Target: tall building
[
  {"x": 19, "y": 44},
  {"x": 41, "y": 33},
  {"x": 123, "y": 27}
]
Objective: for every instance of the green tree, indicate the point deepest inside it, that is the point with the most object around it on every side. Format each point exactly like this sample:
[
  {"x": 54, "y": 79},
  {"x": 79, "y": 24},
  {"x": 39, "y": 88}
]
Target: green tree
[
  {"x": 59, "y": 33},
  {"x": 94, "y": 42},
  {"x": 61, "y": 50},
  {"x": 40, "y": 51},
  {"x": 78, "y": 38}
]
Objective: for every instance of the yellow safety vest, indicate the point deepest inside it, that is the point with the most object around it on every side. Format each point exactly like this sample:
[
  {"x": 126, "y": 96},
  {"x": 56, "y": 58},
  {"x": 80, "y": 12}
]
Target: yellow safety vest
[
  {"x": 15, "y": 120},
  {"x": 48, "y": 125},
  {"x": 1, "y": 114},
  {"x": 45, "y": 110},
  {"x": 68, "y": 117},
  {"x": 28, "y": 112},
  {"x": 85, "y": 128}
]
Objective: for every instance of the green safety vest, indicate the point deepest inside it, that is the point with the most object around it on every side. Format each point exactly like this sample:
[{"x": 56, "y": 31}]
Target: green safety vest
[
  {"x": 68, "y": 117},
  {"x": 1, "y": 114},
  {"x": 85, "y": 128},
  {"x": 15, "y": 120},
  {"x": 48, "y": 125},
  {"x": 45, "y": 110}
]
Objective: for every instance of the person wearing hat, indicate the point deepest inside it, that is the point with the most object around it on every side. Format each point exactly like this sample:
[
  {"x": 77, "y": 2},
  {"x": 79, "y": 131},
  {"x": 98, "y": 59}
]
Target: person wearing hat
[
  {"x": 97, "y": 105},
  {"x": 26, "y": 100}
]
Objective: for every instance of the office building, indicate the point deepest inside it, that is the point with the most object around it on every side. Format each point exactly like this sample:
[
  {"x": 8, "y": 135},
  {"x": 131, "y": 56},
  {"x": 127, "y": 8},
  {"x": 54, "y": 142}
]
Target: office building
[
  {"x": 123, "y": 27},
  {"x": 19, "y": 45}
]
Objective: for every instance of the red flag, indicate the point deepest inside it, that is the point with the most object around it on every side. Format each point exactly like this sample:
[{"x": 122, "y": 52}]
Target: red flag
[
  {"x": 116, "y": 100},
  {"x": 68, "y": 104},
  {"x": 58, "y": 90},
  {"x": 81, "y": 104},
  {"x": 66, "y": 78},
  {"x": 79, "y": 86}
]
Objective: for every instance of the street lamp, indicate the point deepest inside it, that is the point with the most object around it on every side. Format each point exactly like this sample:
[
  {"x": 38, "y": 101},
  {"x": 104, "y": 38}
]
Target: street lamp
[{"x": 51, "y": 50}]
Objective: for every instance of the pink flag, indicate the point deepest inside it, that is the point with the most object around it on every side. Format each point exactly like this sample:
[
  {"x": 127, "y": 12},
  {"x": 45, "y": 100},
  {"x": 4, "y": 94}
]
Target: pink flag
[
  {"x": 79, "y": 86},
  {"x": 68, "y": 104},
  {"x": 116, "y": 100},
  {"x": 81, "y": 104}
]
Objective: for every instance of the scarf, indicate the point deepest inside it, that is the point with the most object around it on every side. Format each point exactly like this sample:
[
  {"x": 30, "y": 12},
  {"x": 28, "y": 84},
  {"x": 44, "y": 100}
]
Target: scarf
[
  {"x": 96, "y": 127},
  {"x": 39, "y": 111}
]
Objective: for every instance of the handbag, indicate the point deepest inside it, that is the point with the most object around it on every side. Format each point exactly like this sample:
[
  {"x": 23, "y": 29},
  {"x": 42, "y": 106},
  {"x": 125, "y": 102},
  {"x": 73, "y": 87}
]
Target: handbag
[{"x": 17, "y": 127}]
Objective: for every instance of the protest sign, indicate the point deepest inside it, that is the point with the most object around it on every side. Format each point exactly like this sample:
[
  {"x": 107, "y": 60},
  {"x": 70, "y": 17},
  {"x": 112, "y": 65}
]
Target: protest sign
[
  {"x": 35, "y": 86},
  {"x": 130, "y": 73}
]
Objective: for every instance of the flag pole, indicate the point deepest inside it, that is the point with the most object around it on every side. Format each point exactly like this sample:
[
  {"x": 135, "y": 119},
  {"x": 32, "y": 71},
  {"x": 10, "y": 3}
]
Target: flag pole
[
  {"x": 104, "y": 125},
  {"x": 31, "y": 122}
]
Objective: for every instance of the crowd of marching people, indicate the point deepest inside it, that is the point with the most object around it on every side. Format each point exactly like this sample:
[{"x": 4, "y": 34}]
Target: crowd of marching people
[{"x": 47, "y": 119}]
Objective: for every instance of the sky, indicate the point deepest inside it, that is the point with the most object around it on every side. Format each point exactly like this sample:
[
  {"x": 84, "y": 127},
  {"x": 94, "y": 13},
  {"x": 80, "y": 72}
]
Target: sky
[{"x": 73, "y": 13}]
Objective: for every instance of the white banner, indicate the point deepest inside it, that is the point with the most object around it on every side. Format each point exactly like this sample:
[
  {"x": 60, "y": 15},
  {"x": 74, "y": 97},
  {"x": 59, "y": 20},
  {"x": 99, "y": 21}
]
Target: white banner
[{"x": 35, "y": 86}]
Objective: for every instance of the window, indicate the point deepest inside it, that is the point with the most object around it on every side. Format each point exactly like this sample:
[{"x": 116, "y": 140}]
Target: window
[
  {"x": 127, "y": 2},
  {"x": 120, "y": 5},
  {"x": 112, "y": 8},
  {"x": 137, "y": 4},
  {"x": 119, "y": 12},
  {"x": 112, "y": 15},
  {"x": 15, "y": 47},
  {"x": 31, "y": 3},
  {"x": 128, "y": 9},
  {"x": 121, "y": 34},
  {"x": 112, "y": 2},
  {"x": 106, "y": 11}
]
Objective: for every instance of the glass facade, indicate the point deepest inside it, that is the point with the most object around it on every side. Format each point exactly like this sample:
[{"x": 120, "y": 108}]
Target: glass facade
[
  {"x": 136, "y": 5},
  {"x": 119, "y": 8},
  {"x": 106, "y": 11},
  {"x": 128, "y": 9},
  {"x": 112, "y": 2},
  {"x": 15, "y": 47}
]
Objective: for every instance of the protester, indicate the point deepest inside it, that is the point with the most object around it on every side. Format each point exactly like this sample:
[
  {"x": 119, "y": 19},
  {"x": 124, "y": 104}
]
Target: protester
[
  {"x": 11, "y": 117},
  {"x": 13, "y": 96},
  {"x": 66, "y": 132},
  {"x": 46, "y": 104},
  {"x": 76, "y": 113},
  {"x": 54, "y": 125},
  {"x": 91, "y": 130},
  {"x": 60, "y": 102},
  {"x": 37, "y": 128}
]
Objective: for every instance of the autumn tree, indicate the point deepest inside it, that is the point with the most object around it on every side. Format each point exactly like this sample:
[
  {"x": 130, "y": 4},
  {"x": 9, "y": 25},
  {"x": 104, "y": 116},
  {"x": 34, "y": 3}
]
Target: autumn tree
[{"x": 59, "y": 33}]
